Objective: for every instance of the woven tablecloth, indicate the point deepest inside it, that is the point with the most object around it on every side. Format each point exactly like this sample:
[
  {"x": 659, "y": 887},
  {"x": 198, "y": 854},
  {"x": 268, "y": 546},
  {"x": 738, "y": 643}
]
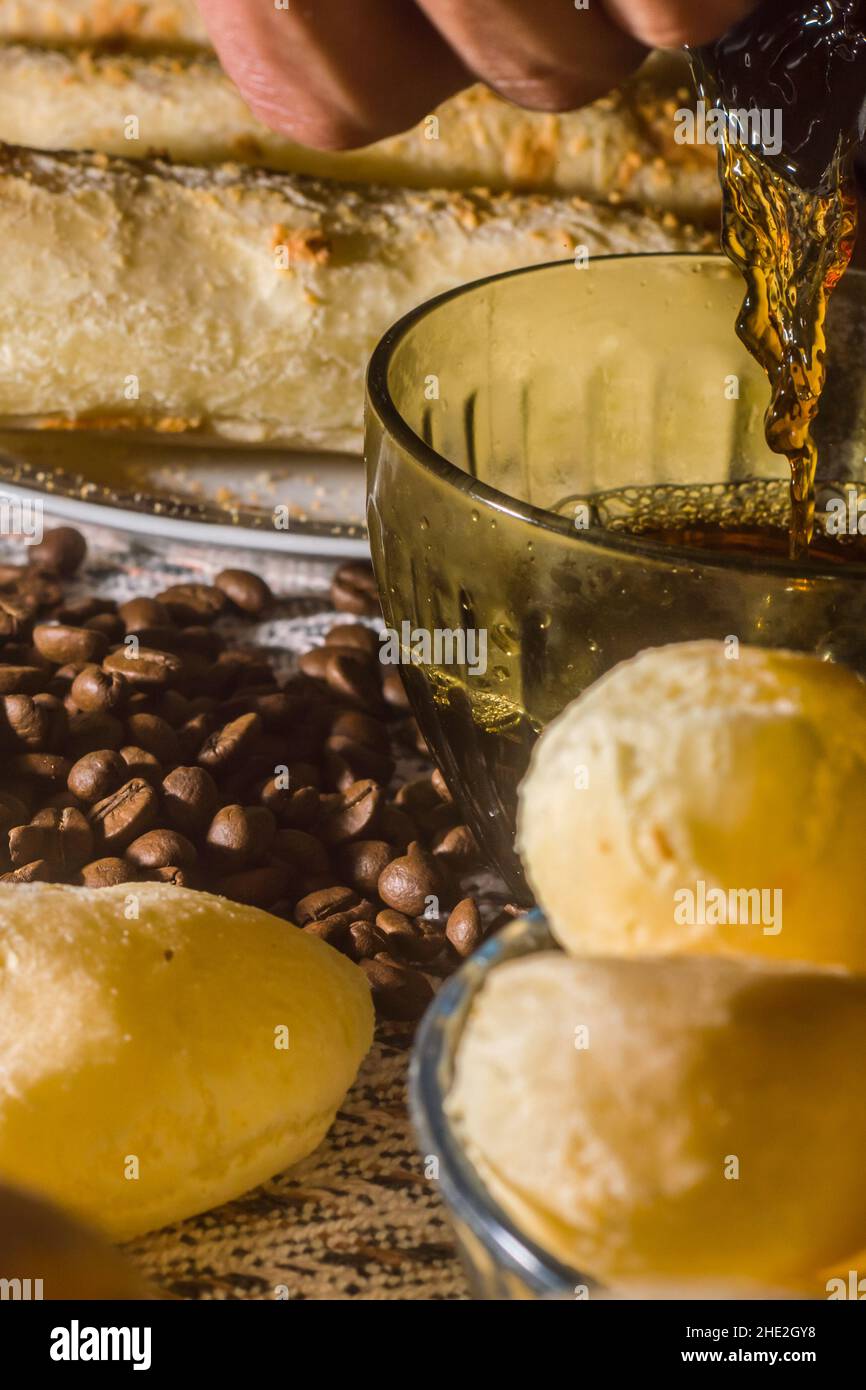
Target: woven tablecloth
[{"x": 358, "y": 1218}]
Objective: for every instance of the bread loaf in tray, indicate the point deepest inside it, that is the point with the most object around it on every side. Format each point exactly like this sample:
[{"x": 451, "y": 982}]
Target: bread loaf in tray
[
  {"x": 133, "y": 104},
  {"x": 85, "y": 21},
  {"x": 241, "y": 303}
]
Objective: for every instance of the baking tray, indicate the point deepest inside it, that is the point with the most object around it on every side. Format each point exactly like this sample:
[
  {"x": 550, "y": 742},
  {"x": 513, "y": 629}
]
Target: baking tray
[{"x": 222, "y": 494}]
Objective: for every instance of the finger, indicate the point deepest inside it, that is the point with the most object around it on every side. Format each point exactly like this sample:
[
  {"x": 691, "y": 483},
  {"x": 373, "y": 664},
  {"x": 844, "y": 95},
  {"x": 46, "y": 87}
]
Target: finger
[
  {"x": 334, "y": 73},
  {"x": 672, "y": 23},
  {"x": 545, "y": 54}
]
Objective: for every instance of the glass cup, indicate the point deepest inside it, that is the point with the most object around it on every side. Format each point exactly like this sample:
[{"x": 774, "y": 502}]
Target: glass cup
[{"x": 566, "y": 464}]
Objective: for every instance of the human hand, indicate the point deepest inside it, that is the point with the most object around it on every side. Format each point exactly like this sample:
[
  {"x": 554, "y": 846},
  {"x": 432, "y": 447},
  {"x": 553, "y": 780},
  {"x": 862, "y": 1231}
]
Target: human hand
[{"x": 339, "y": 73}]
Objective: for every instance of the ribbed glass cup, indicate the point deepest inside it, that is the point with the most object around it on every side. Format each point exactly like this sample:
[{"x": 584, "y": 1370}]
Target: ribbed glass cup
[{"x": 496, "y": 411}]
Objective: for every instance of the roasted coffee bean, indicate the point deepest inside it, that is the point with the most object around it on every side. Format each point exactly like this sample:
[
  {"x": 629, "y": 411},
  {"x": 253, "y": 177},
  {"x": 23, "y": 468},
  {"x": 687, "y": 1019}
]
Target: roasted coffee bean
[
  {"x": 203, "y": 641},
  {"x": 192, "y": 603},
  {"x": 62, "y": 549},
  {"x": 292, "y": 776},
  {"x": 234, "y": 740},
  {"x": 354, "y": 637},
  {"x": 440, "y": 786},
  {"x": 15, "y": 614},
  {"x": 154, "y": 735},
  {"x": 174, "y": 708},
  {"x": 408, "y": 943},
  {"x": 409, "y": 882},
  {"x": 95, "y": 690},
  {"x": 404, "y": 939},
  {"x": 338, "y": 774},
  {"x": 202, "y": 704},
  {"x": 392, "y": 922},
  {"x": 90, "y": 732},
  {"x": 138, "y": 613},
  {"x": 97, "y": 775},
  {"x": 350, "y": 677},
  {"x": 393, "y": 689},
  {"x": 311, "y": 757},
  {"x": 316, "y": 883},
  {"x": 398, "y": 992},
  {"x": 315, "y": 662},
  {"x": 463, "y": 928},
  {"x": 120, "y": 818},
  {"x": 40, "y": 588},
  {"x": 52, "y": 708},
  {"x": 346, "y": 762},
  {"x": 457, "y": 846},
  {"x": 417, "y": 797},
  {"x": 40, "y": 871},
  {"x": 274, "y": 794},
  {"x": 108, "y": 624},
  {"x": 23, "y": 654},
  {"x": 191, "y": 736},
  {"x": 326, "y": 902},
  {"x": 363, "y": 941},
  {"x": 160, "y": 849},
  {"x": 357, "y": 728},
  {"x": 142, "y": 764},
  {"x": 47, "y": 770},
  {"x": 24, "y": 724},
  {"x": 61, "y": 837},
  {"x": 60, "y": 642},
  {"x": 332, "y": 930},
  {"x": 144, "y": 666},
  {"x": 354, "y": 589},
  {"x": 64, "y": 675},
  {"x": 177, "y": 875},
  {"x": 247, "y": 591},
  {"x": 190, "y": 800},
  {"x": 12, "y": 812},
  {"x": 256, "y": 887},
  {"x": 77, "y": 611},
  {"x": 279, "y": 711},
  {"x": 106, "y": 873},
  {"x": 302, "y": 809},
  {"x": 361, "y": 863},
  {"x": 304, "y": 852},
  {"x": 238, "y": 836},
  {"x": 396, "y": 827},
  {"x": 61, "y": 800},
  {"x": 354, "y": 815},
  {"x": 163, "y": 637},
  {"x": 22, "y": 680},
  {"x": 439, "y": 818},
  {"x": 243, "y": 783}
]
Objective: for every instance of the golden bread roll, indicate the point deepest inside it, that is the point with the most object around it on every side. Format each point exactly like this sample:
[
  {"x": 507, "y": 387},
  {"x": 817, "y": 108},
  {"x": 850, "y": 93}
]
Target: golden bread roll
[
  {"x": 704, "y": 797},
  {"x": 164, "y": 1050},
  {"x": 241, "y": 303},
  {"x": 43, "y": 1254},
  {"x": 679, "y": 1118}
]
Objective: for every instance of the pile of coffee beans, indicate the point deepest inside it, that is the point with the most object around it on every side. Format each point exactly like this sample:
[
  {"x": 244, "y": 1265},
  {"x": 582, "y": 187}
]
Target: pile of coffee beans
[{"x": 140, "y": 744}]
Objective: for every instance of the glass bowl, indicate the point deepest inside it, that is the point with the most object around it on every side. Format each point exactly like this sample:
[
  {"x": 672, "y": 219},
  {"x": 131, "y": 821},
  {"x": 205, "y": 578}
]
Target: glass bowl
[
  {"x": 533, "y": 444},
  {"x": 500, "y": 1262}
]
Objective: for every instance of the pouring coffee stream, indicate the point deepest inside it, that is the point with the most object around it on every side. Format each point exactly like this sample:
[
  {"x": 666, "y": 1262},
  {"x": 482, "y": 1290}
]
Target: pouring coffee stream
[{"x": 790, "y": 86}]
